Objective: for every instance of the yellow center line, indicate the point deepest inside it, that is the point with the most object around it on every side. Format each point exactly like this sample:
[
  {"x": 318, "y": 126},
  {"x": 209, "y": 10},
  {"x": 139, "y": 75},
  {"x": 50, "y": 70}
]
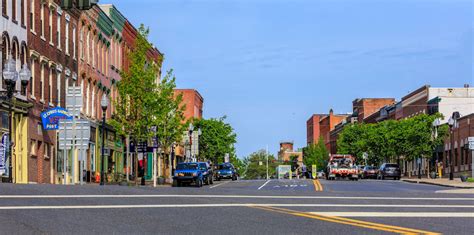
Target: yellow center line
[
  {"x": 346, "y": 221},
  {"x": 317, "y": 185}
]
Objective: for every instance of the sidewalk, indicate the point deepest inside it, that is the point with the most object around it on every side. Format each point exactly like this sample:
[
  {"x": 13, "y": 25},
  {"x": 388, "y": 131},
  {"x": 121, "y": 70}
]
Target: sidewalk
[{"x": 455, "y": 183}]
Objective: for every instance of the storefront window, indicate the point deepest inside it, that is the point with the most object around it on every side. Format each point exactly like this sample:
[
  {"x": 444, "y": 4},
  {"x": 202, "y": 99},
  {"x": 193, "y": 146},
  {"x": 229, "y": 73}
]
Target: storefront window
[{"x": 92, "y": 151}]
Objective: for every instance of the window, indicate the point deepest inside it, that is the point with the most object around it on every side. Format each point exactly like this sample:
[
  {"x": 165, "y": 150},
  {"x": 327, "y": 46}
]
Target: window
[
  {"x": 47, "y": 150},
  {"x": 87, "y": 98},
  {"x": 88, "y": 47},
  {"x": 81, "y": 43},
  {"x": 50, "y": 85},
  {"x": 50, "y": 26},
  {"x": 93, "y": 101},
  {"x": 58, "y": 30},
  {"x": 32, "y": 16},
  {"x": 82, "y": 89},
  {"x": 42, "y": 20},
  {"x": 66, "y": 34},
  {"x": 32, "y": 79},
  {"x": 23, "y": 12},
  {"x": 4, "y": 7},
  {"x": 73, "y": 42},
  {"x": 14, "y": 10},
  {"x": 42, "y": 83},
  {"x": 58, "y": 89},
  {"x": 33, "y": 147}
]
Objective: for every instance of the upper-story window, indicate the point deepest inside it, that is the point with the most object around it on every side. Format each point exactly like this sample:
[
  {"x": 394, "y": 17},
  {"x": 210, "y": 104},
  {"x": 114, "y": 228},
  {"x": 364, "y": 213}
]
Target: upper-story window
[
  {"x": 66, "y": 34},
  {"x": 88, "y": 46},
  {"x": 50, "y": 26},
  {"x": 58, "y": 30},
  {"x": 4, "y": 7},
  {"x": 74, "y": 42},
  {"x": 23, "y": 12},
  {"x": 81, "y": 43},
  {"x": 32, "y": 16},
  {"x": 14, "y": 10},
  {"x": 42, "y": 20}
]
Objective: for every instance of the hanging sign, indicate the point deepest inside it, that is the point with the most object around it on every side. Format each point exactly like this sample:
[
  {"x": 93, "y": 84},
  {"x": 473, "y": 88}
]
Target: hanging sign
[
  {"x": 51, "y": 117},
  {"x": 3, "y": 153}
]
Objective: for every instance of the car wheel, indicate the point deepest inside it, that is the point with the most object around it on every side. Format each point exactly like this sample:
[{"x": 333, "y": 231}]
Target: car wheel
[
  {"x": 198, "y": 183},
  {"x": 234, "y": 178}
]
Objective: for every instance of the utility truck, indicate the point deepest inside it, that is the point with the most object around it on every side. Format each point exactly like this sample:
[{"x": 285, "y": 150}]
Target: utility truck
[{"x": 341, "y": 166}]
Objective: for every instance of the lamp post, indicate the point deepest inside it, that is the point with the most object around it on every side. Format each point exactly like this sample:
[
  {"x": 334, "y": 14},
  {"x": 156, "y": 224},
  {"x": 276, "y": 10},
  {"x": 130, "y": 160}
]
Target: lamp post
[
  {"x": 104, "y": 102},
  {"x": 190, "y": 131},
  {"x": 11, "y": 76},
  {"x": 453, "y": 123},
  {"x": 436, "y": 123}
]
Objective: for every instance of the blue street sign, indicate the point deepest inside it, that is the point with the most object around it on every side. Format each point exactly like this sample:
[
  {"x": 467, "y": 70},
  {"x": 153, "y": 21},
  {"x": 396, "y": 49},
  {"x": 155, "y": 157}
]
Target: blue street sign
[
  {"x": 3, "y": 153},
  {"x": 50, "y": 118}
]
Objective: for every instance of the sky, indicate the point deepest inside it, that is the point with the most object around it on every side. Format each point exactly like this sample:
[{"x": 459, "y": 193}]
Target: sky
[{"x": 268, "y": 65}]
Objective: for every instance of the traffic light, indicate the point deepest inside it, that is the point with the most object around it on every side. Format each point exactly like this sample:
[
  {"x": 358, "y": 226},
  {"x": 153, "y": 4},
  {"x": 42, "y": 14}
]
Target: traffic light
[{"x": 81, "y": 4}]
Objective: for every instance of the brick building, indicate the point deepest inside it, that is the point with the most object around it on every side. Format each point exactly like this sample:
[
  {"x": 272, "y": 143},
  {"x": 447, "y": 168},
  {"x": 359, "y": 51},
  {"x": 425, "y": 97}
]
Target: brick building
[
  {"x": 287, "y": 151},
  {"x": 52, "y": 37},
  {"x": 363, "y": 108},
  {"x": 456, "y": 148},
  {"x": 312, "y": 128},
  {"x": 193, "y": 101},
  {"x": 327, "y": 124}
]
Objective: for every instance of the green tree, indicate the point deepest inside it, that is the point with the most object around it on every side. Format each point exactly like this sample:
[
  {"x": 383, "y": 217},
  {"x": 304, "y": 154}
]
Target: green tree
[
  {"x": 135, "y": 103},
  {"x": 316, "y": 154},
  {"x": 256, "y": 165},
  {"x": 217, "y": 138},
  {"x": 169, "y": 115}
]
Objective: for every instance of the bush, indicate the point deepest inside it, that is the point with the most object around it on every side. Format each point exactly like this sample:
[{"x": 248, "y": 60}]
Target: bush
[{"x": 470, "y": 180}]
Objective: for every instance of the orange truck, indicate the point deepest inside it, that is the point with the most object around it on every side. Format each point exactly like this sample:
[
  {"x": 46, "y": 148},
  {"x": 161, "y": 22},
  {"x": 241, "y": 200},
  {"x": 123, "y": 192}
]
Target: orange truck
[{"x": 341, "y": 166}]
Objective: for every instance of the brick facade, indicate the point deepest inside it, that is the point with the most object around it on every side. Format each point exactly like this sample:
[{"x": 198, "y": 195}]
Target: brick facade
[{"x": 193, "y": 101}]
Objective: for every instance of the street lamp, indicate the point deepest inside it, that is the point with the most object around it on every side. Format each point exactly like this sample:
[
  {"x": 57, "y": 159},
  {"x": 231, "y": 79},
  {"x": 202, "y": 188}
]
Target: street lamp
[
  {"x": 453, "y": 123},
  {"x": 11, "y": 76},
  {"x": 436, "y": 123},
  {"x": 104, "y": 102},
  {"x": 190, "y": 131}
]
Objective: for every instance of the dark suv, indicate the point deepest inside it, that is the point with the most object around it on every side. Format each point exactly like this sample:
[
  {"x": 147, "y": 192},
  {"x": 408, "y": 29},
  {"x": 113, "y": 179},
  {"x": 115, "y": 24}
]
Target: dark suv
[
  {"x": 226, "y": 171},
  {"x": 389, "y": 170},
  {"x": 192, "y": 172}
]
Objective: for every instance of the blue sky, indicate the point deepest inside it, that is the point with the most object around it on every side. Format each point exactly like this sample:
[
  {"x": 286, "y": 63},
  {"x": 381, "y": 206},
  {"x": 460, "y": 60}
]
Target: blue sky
[{"x": 269, "y": 64}]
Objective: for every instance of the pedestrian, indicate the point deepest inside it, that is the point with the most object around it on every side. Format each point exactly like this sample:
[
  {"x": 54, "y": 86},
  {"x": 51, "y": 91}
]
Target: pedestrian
[{"x": 303, "y": 170}]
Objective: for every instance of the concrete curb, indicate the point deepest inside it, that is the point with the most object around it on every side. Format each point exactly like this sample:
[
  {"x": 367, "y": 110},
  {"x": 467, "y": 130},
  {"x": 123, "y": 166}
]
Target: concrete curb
[{"x": 438, "y": 184}]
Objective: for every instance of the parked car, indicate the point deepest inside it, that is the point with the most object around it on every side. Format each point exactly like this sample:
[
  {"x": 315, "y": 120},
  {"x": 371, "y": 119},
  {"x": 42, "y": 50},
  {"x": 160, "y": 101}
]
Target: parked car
[
  {"x": 390, "y": 170},
  {"x": 369, "y": 172},
  {"x": 226, "y": 171},
  {"x": 189, "y": 172},
  {"x": 207, "y": 172}
]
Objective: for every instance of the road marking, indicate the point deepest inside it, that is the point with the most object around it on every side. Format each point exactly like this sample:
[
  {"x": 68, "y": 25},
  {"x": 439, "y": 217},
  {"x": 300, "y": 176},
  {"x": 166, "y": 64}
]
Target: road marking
[
  {"x": 420, "y": 214},
  {"x": 357, "y": 223},
  {"x": 317, "y": 185},
  {"x": 231, "y": 196},
  {"x": 397, "y": 214},
  {"x": 263, "y": 185},
  {"x": 217, "y": 185}
]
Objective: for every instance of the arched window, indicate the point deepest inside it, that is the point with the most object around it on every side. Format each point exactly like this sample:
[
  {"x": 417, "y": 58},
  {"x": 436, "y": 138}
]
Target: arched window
[{"x": 5, "y": 53}]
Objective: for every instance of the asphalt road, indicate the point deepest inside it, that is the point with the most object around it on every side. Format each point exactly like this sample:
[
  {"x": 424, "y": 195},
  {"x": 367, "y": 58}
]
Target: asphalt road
[{"x": 237, "y": 207}]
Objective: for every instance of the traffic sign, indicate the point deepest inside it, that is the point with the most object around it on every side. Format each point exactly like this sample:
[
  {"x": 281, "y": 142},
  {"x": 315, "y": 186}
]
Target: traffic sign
[{"x": 471, "y": 142}]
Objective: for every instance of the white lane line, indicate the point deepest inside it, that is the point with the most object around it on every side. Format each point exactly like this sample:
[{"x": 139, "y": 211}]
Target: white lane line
[
  {"x": 230, "y": 196},
  {"x": 263, "y": 185},
  {"x": 397, "y": 214},
  {"x": 217, "y": 185},
  {"x": 232, "y": 205}
]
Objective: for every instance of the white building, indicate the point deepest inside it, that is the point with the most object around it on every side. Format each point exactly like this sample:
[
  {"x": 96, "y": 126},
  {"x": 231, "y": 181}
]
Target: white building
[{"x": 13, "y": 28}]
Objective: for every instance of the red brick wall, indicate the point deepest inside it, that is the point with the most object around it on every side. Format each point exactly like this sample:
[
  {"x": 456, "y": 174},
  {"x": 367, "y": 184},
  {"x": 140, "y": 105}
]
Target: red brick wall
[
  {"x": 312, "y": 129},
  {"x": 462, "y": 156},
  {"x": 193, "y": 101}
]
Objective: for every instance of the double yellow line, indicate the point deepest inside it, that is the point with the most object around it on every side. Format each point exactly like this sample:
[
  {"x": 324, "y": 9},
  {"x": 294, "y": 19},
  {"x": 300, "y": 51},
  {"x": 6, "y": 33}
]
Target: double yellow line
[
  {"x": 346, "y": 221},
  {"x": 317, "y": 185}
]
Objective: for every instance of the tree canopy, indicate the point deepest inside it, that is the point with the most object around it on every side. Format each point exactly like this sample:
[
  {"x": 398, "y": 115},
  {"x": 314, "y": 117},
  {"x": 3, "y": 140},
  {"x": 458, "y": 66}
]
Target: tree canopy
[
  {"x": 256, "y": 165},
  {"x": 316, "y": 154},
  {"x": 389, "y": 140}
]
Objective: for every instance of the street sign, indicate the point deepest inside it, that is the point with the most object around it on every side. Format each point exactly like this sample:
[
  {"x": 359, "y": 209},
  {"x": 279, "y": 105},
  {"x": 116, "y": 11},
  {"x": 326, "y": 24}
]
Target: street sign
[
  {"x": 471, "y": 142},
  {"x": 3, "y": 153},
  {"x": 141, "y": 147},
  {"x": 365, "y": 155},
  {"x": 50, "y": 118},
  {"x": 226, "y": 158},
  {"x": 74, "y": 101}
]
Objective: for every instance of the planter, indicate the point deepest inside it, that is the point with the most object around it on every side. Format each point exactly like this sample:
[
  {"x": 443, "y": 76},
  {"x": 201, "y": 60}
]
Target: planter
[
  {"x": 464, "y": 178},
  {"x": 433, "y": 175},
  {"x": 161, "y": 181}
]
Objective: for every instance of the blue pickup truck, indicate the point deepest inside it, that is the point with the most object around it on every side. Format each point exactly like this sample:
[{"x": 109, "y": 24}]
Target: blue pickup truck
[{"x": 198, "y": 173}]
